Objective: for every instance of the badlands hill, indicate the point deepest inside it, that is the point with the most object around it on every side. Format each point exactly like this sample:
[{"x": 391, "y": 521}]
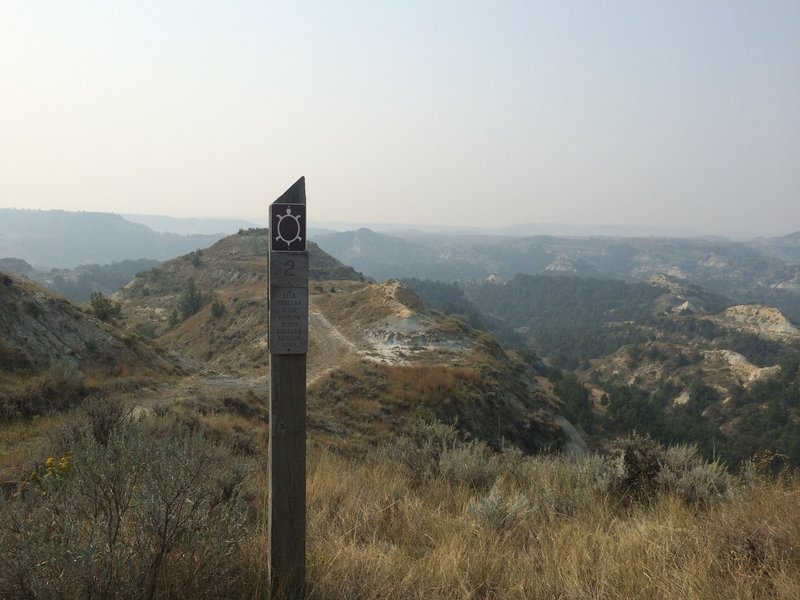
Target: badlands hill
[
  {"x": 377, "y": 355},
  {"x": 745, "y": 273},
  {"x": 665, "y": 357},
  {"x": 39, "y": 329},
  {"x": 729, "y": 351},
  {"x": 54, "y": 355},
  {"x": 762, "y": 320}
]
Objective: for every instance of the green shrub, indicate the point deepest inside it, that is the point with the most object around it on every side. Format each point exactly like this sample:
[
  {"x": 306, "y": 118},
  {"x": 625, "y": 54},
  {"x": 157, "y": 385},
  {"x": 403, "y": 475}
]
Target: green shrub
[
  {"x": 247, "y": 405},
  {"x": 433, "y": 449},
  {"x": 191, "y": 300},
  {"x": 140, "y": 516},
  {"x": 421, "y": 446},
  {"x": 104, "y": 308},
  {"x": 147, "y": 330},
  {"x": 12, "y": 359},
  {"x": 637, "y": 469},
  {"x": 472, "y": 463},
  {"x": 59, "y": 388},
  {"x": 696, "y": 481},
  {"x": 635, "y": 461},
  {"x": 196, "y": 258},
  {"x": 498, "y": 511},
  {"x": 105, "y": 416},
  {"x": 217, "y": 309}
]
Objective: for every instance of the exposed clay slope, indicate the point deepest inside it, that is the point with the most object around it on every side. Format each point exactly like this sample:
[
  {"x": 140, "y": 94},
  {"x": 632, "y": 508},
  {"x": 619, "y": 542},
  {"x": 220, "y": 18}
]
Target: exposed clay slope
[
  {"x": 388, "y": 322},
  {"x": 377, "y": 356},
  {"x": 234, "y": 272},
  {"x": 759, "y": 319},
  {"x": 38, "y": 329},
  {"x": 406, "y": 360},
  {"x": 725, "y": 370},
  {"x": 681, "y": 297}
]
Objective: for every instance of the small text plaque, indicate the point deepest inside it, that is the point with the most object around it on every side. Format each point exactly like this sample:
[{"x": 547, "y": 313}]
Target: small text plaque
[{"x": 288, "y": 320}]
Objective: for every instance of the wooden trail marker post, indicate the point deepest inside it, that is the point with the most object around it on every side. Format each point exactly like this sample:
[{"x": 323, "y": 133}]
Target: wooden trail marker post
[{"x": 288, "y": 346}]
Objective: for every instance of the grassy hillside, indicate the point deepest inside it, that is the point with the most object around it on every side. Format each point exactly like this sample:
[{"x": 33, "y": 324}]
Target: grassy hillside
[{"x": 440, "y": 517}]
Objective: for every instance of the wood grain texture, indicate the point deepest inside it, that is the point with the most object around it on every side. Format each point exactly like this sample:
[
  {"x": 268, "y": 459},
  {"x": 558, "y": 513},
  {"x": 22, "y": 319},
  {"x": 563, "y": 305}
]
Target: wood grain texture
[{"x": 287, "y": 493}]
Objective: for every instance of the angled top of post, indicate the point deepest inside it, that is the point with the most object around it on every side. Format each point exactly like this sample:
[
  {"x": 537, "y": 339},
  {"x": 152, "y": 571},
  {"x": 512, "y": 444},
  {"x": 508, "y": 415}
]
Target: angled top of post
[{"x": 295, "y": 194}]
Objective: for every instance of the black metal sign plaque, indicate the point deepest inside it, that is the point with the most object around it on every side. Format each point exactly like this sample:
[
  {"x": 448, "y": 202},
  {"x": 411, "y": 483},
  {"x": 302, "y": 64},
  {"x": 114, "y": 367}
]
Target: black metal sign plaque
[{"x": 287, "y": 231}]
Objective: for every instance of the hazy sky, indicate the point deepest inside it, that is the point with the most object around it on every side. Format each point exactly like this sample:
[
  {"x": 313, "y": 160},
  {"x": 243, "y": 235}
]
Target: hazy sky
[{"x": 676, "y": 113}]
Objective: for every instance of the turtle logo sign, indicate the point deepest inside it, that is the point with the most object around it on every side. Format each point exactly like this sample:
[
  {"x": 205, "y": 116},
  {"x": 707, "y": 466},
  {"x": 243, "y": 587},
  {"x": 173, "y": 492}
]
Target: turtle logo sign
[{"x": 287, "y": 227}]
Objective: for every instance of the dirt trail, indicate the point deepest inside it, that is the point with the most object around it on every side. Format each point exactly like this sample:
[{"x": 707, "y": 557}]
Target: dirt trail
[
  {"x": 329, "y": 350},
  {"x": 332, "y": 347},
  {"x": 205, "y": 382}
]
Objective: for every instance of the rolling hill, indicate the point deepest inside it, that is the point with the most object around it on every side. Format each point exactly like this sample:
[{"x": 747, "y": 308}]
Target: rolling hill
[{"x": 377, "y": 355}]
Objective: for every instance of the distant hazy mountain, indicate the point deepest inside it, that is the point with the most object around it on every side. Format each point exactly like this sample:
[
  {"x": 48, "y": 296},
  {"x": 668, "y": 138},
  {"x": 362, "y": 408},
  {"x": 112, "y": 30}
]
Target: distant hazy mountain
[
  {"x": 739, "y": 271},
  {"x": 786, "y": 248},
  {"x": 520, "y": 230},
  {"x": 422, "y": 255},
  {"x": 190, "y": 226},
  {"x": 562, "y": 229},
  {"x": 383, "y": 256},
  {"x": 57, "y": 238},
  {"x": 79, "y": 283},
  {"x": 16, "y": 265}
]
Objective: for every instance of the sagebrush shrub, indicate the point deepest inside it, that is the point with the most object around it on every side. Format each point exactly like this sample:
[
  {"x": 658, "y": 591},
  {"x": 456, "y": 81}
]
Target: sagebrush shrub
[
  {"x": 57, "y": 389},
  {"x": 693, "y": 479},
  {"x": 106, "y": 415},
  {"x": 137, "y": 516},
  {"x": 636, "y": 462},
  {"x": 433, "y": 449},
  {"x": 421, "y": 446},
  {"x": 498, "y": 511},
  {"x": 638, "y": 469},
  {"x": 472, "y": 463}
]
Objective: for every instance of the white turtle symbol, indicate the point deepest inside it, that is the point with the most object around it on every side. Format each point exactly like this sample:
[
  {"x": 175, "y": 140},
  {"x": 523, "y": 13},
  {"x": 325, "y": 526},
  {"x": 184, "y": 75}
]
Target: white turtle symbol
[{"x": 288, "y": 239}]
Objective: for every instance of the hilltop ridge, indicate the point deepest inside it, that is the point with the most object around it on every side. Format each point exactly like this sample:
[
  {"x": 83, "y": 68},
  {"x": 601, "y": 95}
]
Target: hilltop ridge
[{"x": 374, "y": 348}]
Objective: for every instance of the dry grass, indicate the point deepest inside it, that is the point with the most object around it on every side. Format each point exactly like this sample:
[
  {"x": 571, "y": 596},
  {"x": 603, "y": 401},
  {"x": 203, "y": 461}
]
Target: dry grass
[
  {"x": 361, "y": 403},
  {"x": 526, "y": 528},
  {"x": 21, "y": 445},
  {"x": 411, "y": 383},
  {"x": 374, "y": 534}
]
